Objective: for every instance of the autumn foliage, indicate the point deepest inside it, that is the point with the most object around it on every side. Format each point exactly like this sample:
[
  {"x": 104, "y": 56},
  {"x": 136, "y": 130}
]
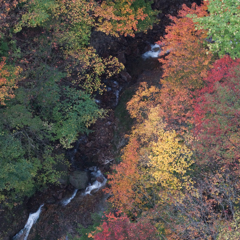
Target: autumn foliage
[
  {"x": 188, "y": 62},
  {"x": 8, "y": 80},
  {"x": 120, "y": 228},
  {"x": 216, "y": 115},
  {"x": 124, "y": 180},
  {"x": 124, "y": 17},
  {"x": 187, "y": 137},
  {"x": 178, "y": 174},
  {"x": 184, "y": 67}
]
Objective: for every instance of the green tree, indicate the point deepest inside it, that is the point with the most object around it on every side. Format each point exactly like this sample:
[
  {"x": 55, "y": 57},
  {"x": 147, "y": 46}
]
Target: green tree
[
  {"x": 223, "y": 25},
  {"x": 42, "y": 112}
]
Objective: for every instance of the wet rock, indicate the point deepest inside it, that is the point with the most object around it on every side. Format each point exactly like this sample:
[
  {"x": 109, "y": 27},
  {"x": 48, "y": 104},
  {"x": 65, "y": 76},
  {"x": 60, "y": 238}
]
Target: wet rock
[
  {"x": 114, "y": 84},
  {"x": 116, "y": 98},
  {"x": 110, "y": 84},
  {"x": 126, "y": 76},
  {"x": 100, "y": 179},
  {"x": 79, "y": 179},
  {"x": 98, "y": 101}
]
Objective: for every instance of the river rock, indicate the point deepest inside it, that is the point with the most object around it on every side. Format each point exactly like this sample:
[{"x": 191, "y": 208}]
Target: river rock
[
  {"x": 100, "y": 179},
  {"x": 79, "y": 179},
  {"x": 125, "y": 76}
]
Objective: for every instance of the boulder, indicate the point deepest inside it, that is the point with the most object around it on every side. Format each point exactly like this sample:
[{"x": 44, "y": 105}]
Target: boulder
[{"x": 79, "y": 179}]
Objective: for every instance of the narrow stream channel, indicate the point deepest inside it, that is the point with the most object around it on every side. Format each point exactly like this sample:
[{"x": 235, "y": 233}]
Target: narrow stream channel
[
  {"x": 94, "y": 171},
  {"x": 32, "y": 219}
]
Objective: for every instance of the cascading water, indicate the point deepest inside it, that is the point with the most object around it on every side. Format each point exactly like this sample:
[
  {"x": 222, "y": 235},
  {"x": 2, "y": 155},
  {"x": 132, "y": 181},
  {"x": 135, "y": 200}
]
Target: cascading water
[
  {"x": 33, "y": 217},
  {"x": 67, "y": 201},
  {"x": 153, "y": 53},
  {"x": 97, "y": 184}
]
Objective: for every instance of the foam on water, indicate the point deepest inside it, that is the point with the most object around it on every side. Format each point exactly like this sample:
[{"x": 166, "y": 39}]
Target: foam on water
[
  {"x": 153, "y": 53},
  {"x": 33, "y": 217},
  {"x": 67, "y": 201},
  {"x": 97, "y": 184}
]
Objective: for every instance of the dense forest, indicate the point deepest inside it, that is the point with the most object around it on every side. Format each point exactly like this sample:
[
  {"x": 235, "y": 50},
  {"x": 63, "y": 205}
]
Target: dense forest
[{"x": 178, "y": 173}]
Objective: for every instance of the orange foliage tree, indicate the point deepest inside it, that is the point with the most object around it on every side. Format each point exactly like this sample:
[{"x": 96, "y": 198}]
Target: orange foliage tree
[
  {"x": 125, "y": 180},
  {"x": 125, "y": 17},
  {"x": 8, "y": 80},
  {"x": 184, "y": 67},
  {"x": 143, "y": 100},
  {"x": 188, "y": 61}
]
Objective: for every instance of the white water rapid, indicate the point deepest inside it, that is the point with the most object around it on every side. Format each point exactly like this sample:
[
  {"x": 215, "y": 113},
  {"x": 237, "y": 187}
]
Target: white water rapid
[
  {"x": 153, "y": 53},
  {"x": 98, "y": 183},
  {"x": 95, "y": 186},
  {"x": 67, "y": 201},
  {"x": 33, "y": 217}
]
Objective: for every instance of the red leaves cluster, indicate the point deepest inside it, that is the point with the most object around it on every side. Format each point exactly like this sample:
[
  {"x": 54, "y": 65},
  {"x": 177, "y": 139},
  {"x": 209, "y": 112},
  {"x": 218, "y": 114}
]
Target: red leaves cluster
[
  {"x": 194, "y": 94},
  {"x": 222, "y": 73},
  {"x": 120, "y": 228},
  {"x": 176, "y": 105},
  {"x": 216, "y": 115}
]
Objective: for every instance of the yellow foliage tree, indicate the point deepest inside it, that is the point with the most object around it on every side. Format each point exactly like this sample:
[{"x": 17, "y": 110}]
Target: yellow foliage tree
[
  {"x": 154, "y": 164},
  {"x": 170, "y": 159},
  {"x": 164, "y": 155}
]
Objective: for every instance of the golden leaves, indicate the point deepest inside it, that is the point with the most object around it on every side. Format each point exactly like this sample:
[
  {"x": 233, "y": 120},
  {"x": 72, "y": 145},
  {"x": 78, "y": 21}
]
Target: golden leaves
[
  {"x": 142, "y": 101},
  {"x": 169, "y": 161}
]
